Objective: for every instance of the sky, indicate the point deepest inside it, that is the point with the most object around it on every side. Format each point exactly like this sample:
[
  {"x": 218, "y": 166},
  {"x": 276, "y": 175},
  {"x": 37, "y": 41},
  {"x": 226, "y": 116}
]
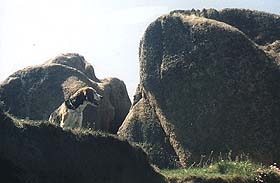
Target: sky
[{"x": 106, "y": 32}]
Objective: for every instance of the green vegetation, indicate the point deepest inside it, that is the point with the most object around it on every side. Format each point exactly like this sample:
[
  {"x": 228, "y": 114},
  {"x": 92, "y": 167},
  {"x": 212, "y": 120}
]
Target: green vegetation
[
  {"x": 20, "y": 123},
  {"x": 226, "y": 171}
]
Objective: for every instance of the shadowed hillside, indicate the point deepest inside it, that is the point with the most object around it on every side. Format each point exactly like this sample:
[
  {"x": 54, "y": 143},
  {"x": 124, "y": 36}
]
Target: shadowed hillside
[{"x": 47, "y": 154}]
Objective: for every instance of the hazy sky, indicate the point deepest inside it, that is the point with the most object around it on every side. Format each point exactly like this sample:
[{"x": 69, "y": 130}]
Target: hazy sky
[{"x": 106, "y": 33}]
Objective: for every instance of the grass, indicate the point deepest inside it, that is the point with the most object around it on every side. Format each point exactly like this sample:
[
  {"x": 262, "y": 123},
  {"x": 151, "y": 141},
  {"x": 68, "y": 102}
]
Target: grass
[
  {"x": 21, "y": 122},
  {"x": 227, "y": 171},
  {"x": 223, "y": 169},
  {"x": 78, "y": 132}
]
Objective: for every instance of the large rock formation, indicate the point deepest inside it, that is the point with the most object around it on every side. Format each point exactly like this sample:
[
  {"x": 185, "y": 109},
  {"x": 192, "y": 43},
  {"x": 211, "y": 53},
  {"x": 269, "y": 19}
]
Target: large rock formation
[
  {"x": 205, "y": 86},
  {"x": 35, "y": 92},
  {"x": 45, "y": 153}
]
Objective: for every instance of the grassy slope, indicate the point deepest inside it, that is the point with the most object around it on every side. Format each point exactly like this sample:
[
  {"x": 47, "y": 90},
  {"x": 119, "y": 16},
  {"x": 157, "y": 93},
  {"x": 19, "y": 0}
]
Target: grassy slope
[
  {"x": 225, "y": 172},
  {"x": 39, "y": 152}
]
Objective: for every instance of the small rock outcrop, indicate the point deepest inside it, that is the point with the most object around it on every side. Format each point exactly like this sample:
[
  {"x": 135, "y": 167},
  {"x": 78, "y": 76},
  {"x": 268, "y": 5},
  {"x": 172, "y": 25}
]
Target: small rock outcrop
[
  {"x": 35, "y": 92},
  {"x": 273, "y": 50},
  {"x": 207, "y": 84},
  {"x": 41, "y": 152}
]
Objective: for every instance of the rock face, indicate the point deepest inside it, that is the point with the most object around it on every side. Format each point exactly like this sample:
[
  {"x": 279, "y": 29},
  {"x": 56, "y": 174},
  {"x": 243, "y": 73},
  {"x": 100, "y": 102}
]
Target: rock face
[
  {"x": 205, "y": 86},
  {"x": 45, "y": 153},
  {"x": 35, "y": 92}
]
